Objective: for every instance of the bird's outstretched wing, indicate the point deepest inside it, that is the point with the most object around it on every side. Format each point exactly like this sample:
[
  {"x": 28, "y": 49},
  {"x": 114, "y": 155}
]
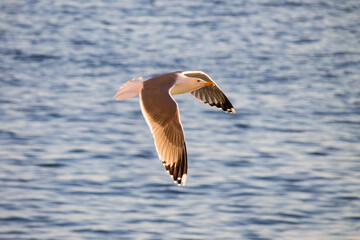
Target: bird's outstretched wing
[
  {"x": 212, "y": 95},
  {"x": 162, "y": 115}
]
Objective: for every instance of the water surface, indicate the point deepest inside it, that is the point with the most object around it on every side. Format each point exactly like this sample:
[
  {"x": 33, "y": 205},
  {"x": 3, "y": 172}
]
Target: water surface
[{"x": 75, "y": 164}]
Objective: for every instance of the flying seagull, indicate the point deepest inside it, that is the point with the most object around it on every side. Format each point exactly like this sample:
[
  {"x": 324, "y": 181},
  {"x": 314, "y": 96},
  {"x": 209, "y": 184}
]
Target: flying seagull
[{"x": 161, "y": 111}]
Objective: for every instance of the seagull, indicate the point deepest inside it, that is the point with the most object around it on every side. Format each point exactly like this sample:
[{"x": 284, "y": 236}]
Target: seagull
[{"x": 162, "y": 115}]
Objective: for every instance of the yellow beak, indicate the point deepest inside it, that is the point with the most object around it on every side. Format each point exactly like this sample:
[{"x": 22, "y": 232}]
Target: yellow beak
[{"x": 209, "y": 84}]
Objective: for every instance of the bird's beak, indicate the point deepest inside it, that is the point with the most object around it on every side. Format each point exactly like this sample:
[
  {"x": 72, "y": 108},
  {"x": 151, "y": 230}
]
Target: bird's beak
[{"x": 209, "y": 84}]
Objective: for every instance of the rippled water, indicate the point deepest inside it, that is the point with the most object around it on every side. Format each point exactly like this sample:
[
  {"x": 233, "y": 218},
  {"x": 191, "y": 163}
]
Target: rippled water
[{"x": 75, "y": 164}]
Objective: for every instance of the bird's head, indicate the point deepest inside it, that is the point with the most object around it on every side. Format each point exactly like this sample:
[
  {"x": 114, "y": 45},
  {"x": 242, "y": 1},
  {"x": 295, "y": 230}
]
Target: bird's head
[
  {"x": 185, "y": 84},
  {"x": 201, "y": 83}
]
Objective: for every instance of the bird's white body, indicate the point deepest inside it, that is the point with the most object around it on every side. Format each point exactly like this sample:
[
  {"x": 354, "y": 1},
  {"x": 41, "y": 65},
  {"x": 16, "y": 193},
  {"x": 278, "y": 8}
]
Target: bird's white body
[{"x": 183, "y": 84}]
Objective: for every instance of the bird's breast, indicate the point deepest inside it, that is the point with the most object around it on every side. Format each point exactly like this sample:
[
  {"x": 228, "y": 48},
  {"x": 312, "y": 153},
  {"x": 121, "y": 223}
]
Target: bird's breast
[{"x": 182, "y": 88}]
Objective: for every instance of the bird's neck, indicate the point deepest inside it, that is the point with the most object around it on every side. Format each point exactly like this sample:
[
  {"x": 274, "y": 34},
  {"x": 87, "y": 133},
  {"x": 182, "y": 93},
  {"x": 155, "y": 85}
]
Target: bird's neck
[{"x": 183, "y": 88}]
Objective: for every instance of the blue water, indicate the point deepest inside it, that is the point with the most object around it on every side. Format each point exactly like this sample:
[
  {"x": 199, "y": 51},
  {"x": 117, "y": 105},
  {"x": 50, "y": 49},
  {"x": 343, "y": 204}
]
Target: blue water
[{"x": 75, "y": 164}]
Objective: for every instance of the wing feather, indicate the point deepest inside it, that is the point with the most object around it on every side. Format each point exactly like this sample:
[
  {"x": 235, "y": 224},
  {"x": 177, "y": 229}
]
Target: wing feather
[
  {"x": 162, "y": 115},
  {"x": 212, "y": 95}
]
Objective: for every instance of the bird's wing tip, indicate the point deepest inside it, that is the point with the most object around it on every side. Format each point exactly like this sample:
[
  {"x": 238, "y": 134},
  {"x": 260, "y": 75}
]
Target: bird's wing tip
[
  {"x": 183, "y": 180},
  {"x": 180, "y": 180}
]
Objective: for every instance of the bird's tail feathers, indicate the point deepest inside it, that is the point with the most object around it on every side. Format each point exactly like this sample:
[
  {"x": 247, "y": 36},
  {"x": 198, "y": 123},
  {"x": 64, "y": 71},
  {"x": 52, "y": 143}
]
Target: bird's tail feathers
[{"x": 130, "y": 89}]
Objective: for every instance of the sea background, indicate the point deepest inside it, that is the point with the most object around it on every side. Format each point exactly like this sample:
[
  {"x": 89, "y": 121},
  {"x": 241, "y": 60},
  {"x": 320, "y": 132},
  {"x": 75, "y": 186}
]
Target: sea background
[{"x": 75, "y": 164}]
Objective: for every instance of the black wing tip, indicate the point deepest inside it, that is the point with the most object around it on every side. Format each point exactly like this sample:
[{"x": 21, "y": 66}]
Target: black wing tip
[
  {"x": 178, "y": 170},
  {"x": 228, "y": 108},
  {"x": 178, "y": 177},
  {"x": 231, "y": 110},
  {"x": 179, "y": 180}
]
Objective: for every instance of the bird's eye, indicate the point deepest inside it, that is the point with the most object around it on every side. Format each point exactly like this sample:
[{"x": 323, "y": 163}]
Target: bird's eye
[{"x": 198, "y": 80}]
